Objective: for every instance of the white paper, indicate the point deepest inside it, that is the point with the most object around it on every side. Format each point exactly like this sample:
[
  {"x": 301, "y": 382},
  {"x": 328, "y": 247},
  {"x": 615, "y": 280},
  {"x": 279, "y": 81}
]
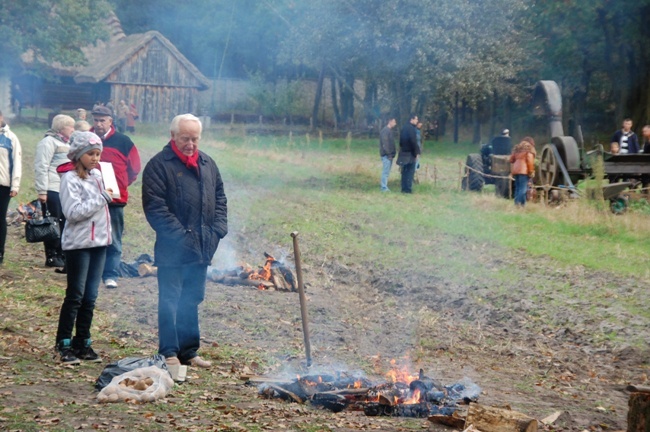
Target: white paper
[{"x": 110, "y": 182}]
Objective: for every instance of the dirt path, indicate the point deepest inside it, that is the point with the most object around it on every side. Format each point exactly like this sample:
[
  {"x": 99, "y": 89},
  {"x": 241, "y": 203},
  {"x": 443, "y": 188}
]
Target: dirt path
[{"x": 544, "y": 343}]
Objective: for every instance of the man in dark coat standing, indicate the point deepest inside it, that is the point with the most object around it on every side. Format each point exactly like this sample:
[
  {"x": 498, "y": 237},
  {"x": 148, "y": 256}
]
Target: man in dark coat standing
[
  {"x": 185, "y": 203},
  {"x": 408, "y": 153}
]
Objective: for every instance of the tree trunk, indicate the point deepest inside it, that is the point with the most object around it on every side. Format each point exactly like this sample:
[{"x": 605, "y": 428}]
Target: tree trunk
[
  {"x": 347, "y": 98},
  {"x": 317, "y": 97},
  {"x": 335, "y": 105},
  {"x": 493, "y": 114},
  {"x": 370, "y": 102},
  {"x": 476, "y": 136},
  {"x": 456, "y": 118}
]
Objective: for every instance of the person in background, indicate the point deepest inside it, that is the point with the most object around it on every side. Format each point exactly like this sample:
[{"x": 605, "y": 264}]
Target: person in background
[
  {"x": 51, "y": 152},
  {"x": 523, "y": 168},
  {"x": 418, "y": 134},
  {"x": 408, "y": 153},
  {"x": 111, "y": 107},
  {"x": 81, "y": 114},
  {"x": 645, "y": 179},
  {"x": 387, "y": 152},
  {"x": 86, "y": 234},
  {"x": 626, "y": 139},
  {"x": 120, "y": 151},
  {"x": 614, "y": 148},
  {"x": 82, "y": 125},
  {"x": 131, "y": 117},
  {"x": 184, "y": 202},
  {"x": 10, "y": 174},
  {"x": 646, "y": 139},
  {"x": 122, "y": 113}
]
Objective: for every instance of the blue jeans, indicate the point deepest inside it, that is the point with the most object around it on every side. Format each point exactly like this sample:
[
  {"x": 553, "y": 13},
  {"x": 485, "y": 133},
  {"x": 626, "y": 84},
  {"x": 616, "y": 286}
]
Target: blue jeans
[
  {"x": 114, "y": 252},
  {"x": 408, "y": 171},
  {"x": 521, "y": 187},
  {"x": 85, "y": 268},
  {"x": 180, "y": 292},
  {"x": 387, "y": 163}
]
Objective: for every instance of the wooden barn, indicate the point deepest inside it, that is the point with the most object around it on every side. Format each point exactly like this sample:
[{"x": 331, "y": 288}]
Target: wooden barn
[{"x": 145, "y": 69}]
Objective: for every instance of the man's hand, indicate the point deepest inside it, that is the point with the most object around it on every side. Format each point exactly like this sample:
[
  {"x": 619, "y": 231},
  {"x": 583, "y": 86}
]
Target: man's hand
[
  {"x": 13, "y": 194},
  {"x": 42, "y": 198}
]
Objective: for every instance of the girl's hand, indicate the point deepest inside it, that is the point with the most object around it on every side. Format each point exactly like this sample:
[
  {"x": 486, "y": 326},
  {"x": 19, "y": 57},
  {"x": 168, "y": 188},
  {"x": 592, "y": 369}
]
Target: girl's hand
[{"x": 110, "y": 191}]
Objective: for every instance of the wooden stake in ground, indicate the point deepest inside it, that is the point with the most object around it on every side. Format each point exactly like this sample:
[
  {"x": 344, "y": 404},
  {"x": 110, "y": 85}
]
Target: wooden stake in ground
[
  {"x": 492, "y": 419},
  {"x": 301, "y": 294}
]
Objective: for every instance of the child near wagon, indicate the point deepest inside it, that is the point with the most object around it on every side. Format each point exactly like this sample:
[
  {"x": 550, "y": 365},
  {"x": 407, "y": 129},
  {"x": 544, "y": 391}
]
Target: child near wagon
[{"x": 86, "y": 235}]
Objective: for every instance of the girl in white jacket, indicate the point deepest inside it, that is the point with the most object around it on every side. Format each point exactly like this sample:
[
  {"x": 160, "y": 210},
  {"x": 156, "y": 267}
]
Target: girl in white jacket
[{"x": 87, "y": 232}]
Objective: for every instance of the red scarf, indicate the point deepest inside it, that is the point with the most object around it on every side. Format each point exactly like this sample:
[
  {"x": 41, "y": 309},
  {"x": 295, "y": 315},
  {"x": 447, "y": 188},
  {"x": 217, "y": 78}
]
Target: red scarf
[{"x": 192, "y": 162}]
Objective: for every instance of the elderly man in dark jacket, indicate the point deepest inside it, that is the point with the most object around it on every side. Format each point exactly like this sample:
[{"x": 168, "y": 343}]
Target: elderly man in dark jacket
[
  {"x": 408, "y": 153},
  {"x": 184, "y": 202}
]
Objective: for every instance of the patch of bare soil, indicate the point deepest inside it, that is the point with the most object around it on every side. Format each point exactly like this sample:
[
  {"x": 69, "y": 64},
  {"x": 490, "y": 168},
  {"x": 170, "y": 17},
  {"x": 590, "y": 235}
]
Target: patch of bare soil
[{"x": 533, "y": 334}]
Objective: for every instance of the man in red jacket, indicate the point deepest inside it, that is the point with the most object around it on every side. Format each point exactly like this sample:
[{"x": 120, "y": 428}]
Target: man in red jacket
[{"x": 120, "y": 151}]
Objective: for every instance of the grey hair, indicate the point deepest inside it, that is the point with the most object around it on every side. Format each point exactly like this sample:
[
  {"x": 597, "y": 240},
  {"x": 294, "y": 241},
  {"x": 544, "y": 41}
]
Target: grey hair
[
  {"x": 176, "y": 121},
  {"x": 60, "y": 121}
]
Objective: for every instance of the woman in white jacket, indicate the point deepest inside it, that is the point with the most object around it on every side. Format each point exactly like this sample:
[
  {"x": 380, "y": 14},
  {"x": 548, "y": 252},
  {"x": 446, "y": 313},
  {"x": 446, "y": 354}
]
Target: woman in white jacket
[
  {"x": 10, "y": 173},
  {"x": 52, "y": 152},
  {"x": 85, "y": 236}
]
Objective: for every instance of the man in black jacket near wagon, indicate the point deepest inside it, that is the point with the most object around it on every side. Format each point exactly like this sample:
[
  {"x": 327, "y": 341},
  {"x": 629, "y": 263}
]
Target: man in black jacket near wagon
[
  {"x": 408, "y": 153},
  {"x": 184, "y": 202}
]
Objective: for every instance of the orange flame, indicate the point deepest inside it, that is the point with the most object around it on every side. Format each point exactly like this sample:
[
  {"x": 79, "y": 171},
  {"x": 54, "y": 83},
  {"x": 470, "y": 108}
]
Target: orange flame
[
  {"x": 264, "y": 273},
  {"x": 400, "y": 375},
  {"x": 415, "y": 398}
]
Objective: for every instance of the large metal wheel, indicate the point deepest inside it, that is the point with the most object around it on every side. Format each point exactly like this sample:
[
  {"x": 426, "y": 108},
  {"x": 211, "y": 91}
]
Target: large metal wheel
[
  {"x": 474, "y": 179},
  {"x": 549, "y": 167}
]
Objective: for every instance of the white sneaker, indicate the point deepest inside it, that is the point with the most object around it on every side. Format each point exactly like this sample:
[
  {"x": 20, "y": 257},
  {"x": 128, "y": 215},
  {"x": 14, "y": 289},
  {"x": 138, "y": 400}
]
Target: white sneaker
[{"x": 110, "y": 283}]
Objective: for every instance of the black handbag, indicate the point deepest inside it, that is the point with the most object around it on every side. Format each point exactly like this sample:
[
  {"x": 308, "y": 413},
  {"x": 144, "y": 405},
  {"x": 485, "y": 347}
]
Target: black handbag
[{"x": 40, "y": 229}]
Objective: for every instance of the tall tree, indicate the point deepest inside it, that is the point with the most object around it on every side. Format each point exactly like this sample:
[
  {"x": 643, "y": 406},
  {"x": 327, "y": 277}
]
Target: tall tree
[{"x": 52, "y": 30}]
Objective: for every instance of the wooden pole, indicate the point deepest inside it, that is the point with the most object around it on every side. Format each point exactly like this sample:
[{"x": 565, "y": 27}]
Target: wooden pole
[
  {"x": 460, "y": 176},
  {"x": 301, "y": 294}
]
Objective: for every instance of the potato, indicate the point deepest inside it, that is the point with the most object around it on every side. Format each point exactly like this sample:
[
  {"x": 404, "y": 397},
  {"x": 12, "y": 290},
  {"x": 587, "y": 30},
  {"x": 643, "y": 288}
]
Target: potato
[
  {"x": 141, "y": 385},
  {"x": 112, "y": 398},
  {"x": 149, "y": 381}
]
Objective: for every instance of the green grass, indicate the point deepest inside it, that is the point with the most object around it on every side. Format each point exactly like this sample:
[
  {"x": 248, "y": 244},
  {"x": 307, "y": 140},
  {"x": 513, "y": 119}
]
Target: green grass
[{"x": 328, "y": 192}]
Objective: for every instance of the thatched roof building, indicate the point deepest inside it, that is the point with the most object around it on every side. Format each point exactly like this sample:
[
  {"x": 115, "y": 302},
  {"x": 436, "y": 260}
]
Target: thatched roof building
[{"x": 145, "y": 69}]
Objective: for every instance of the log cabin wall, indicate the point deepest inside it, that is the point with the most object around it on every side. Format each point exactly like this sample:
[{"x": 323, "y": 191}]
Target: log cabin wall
[{"x": 157, "y": 82}]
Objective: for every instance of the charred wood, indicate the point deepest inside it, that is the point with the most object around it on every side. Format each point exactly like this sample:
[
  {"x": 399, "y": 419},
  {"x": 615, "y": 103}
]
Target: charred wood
[
  {"x": 273, "y": 391},
  {"x": 334, "y": 402}
]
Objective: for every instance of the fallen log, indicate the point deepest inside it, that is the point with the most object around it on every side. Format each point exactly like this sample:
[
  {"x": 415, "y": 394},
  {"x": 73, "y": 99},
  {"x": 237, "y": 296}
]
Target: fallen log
[
  {"x": 230, "y": 280},
  {"x": 347, "y": 392},
  {"x": 284, "y": 393},
  {"x": 492, "y": 419}
]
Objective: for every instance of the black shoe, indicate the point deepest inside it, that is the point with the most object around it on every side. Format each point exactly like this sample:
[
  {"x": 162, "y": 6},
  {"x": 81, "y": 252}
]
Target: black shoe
[
  {"x": 67, "y": 353},
  {"x": 88, "y": 354}
]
